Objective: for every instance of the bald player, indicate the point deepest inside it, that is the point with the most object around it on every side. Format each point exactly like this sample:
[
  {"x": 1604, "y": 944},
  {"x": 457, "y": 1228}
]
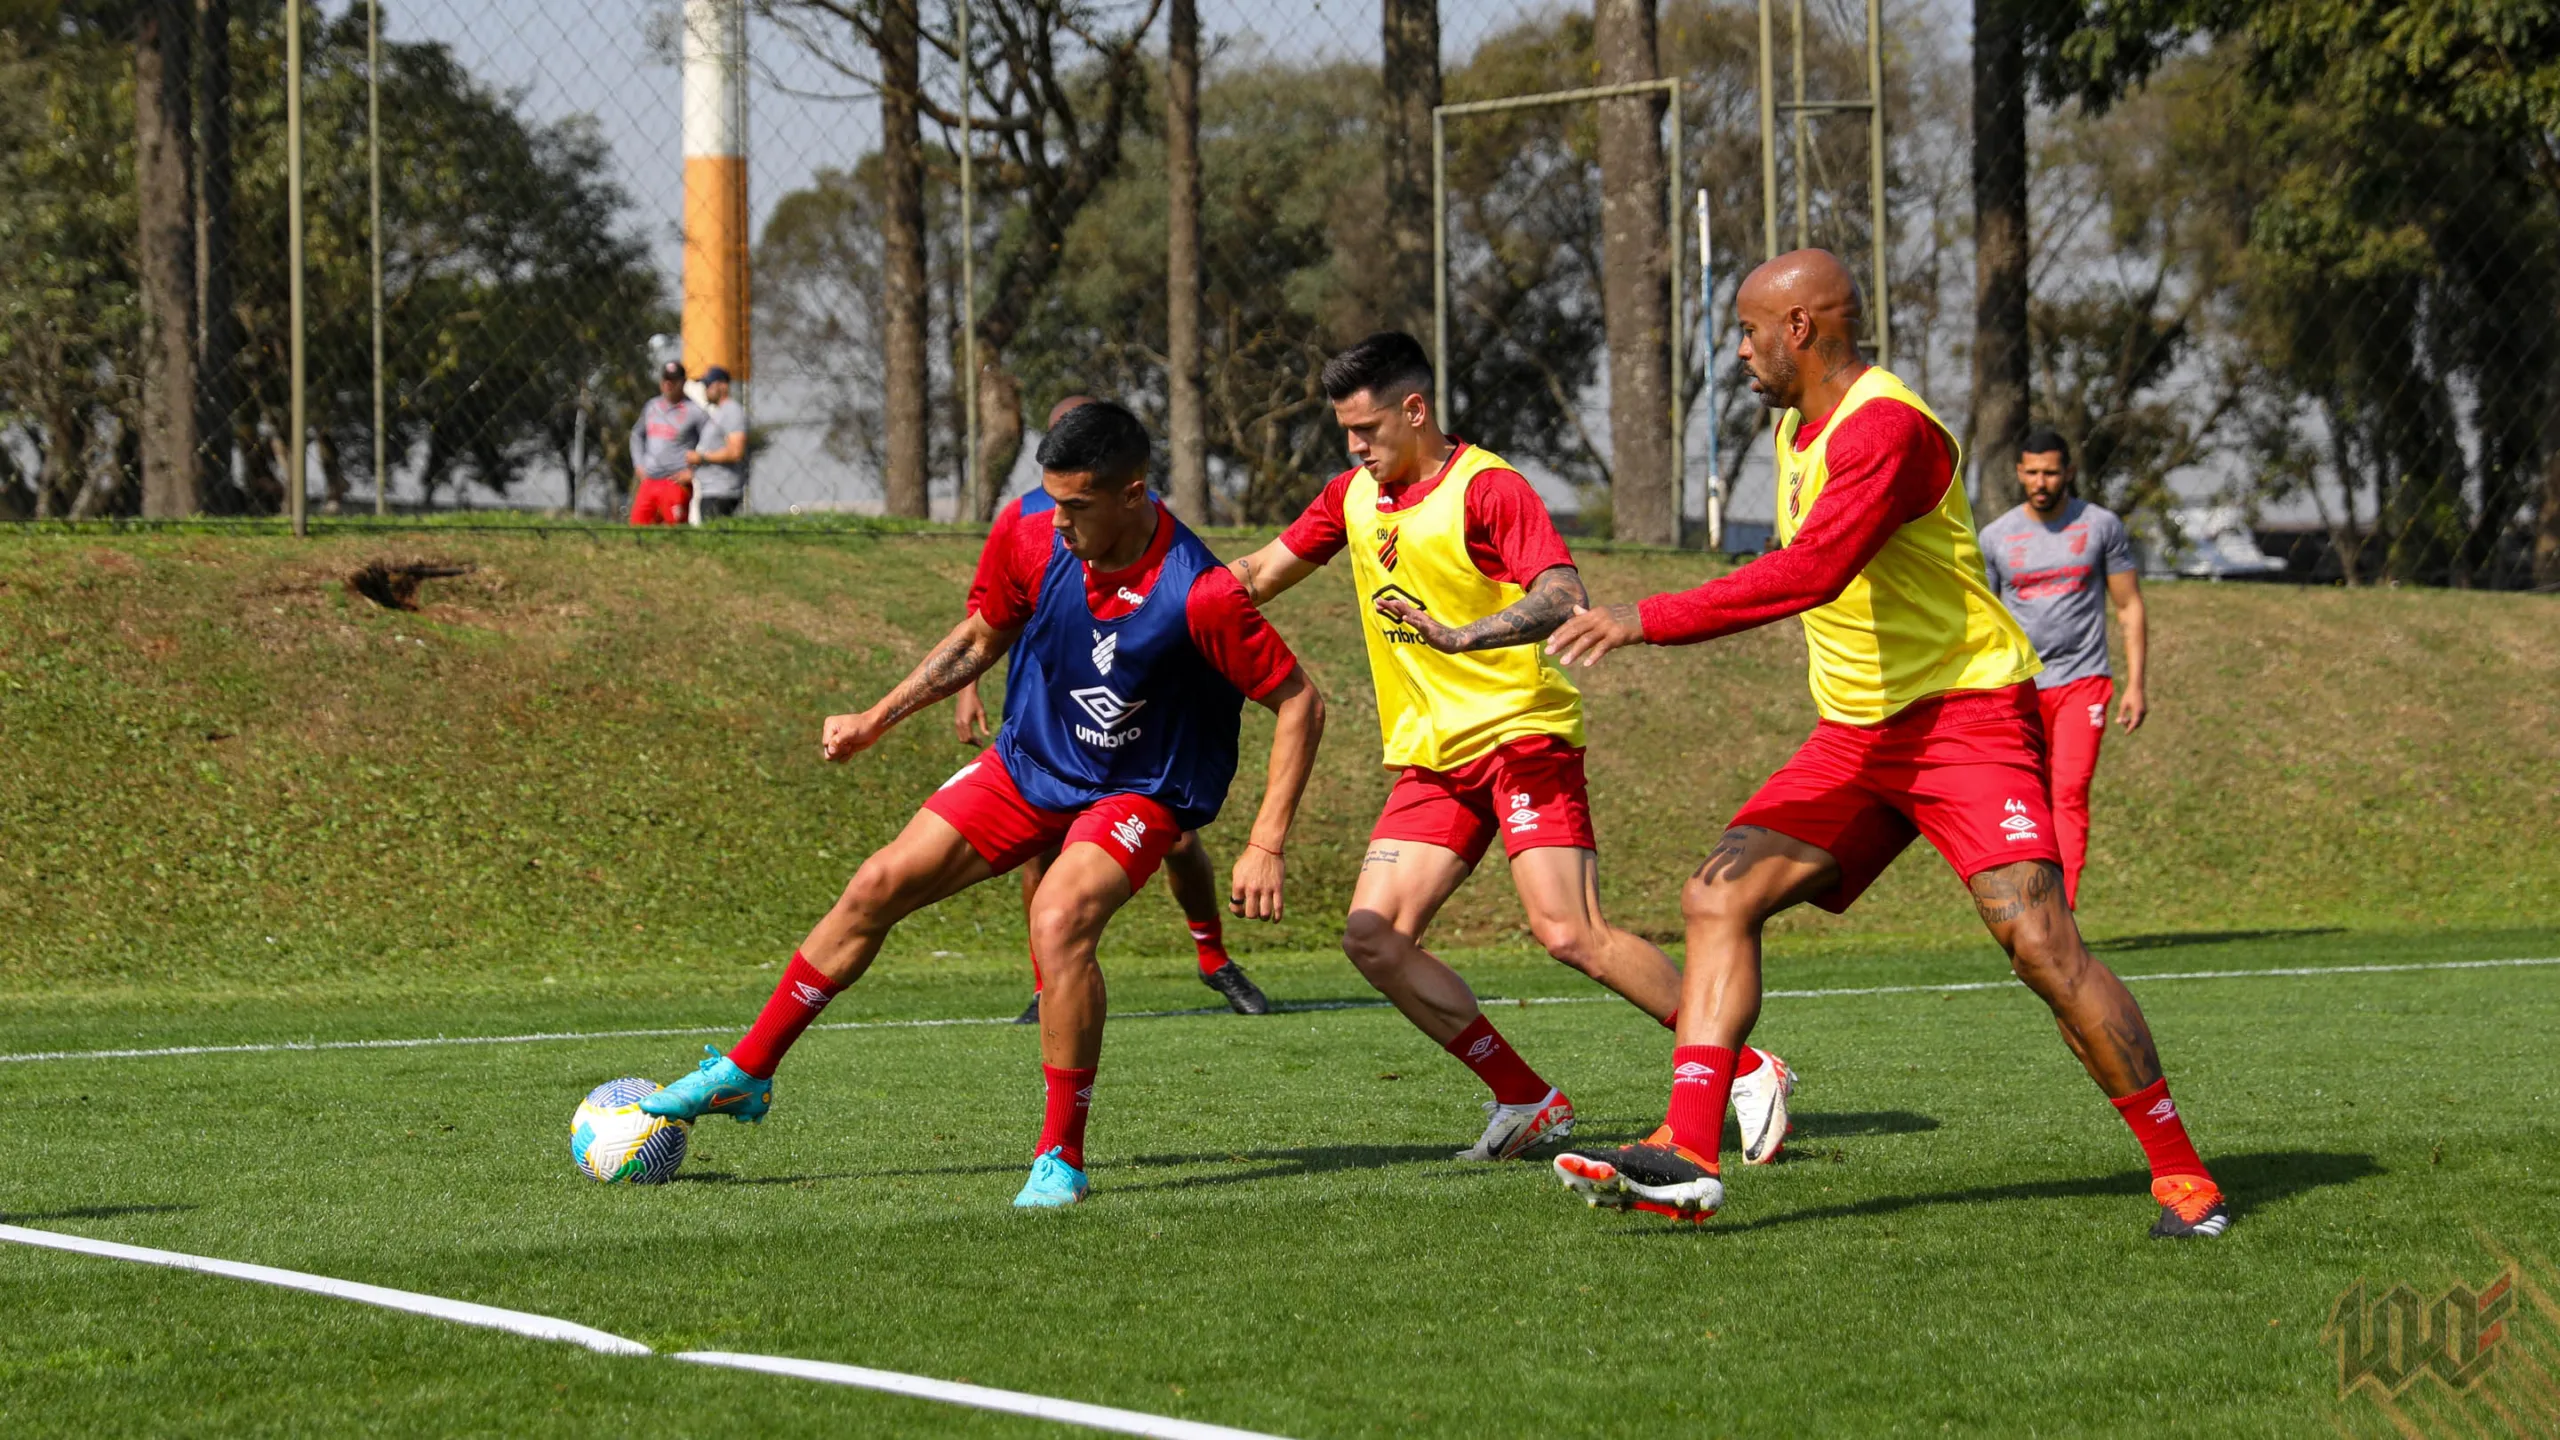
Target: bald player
[
  {"x": 1188, "y": 870},
  {"x": 1929, "y": 726}
]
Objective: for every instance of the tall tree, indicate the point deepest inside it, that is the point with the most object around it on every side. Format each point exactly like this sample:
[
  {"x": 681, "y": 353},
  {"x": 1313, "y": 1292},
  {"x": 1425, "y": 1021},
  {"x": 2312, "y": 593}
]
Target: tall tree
[
  {"x": 902, "y": 269},
  {"x": 165, "y": 254},
  {"x": 1409, "y": 71},
  {"x": 1186, "y": 421},
  {"x": 1636, "y": 284},
  {"x": 2000, "y": 251},
  {"x": 218, "y": 336}
]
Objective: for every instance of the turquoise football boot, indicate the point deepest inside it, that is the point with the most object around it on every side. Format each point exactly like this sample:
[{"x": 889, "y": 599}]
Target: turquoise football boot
[
  {"x": 716, "y": 1087},
  {"x": 1053, "y": 1184}
]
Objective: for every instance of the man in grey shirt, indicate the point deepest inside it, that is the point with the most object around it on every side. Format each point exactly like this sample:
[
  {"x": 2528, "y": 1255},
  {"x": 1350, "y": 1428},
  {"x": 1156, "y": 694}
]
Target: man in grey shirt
[
  {"x": 720, "y": 465},
  {"x": 2056, "y": 561},
  {"x": 662, "y": 443}
]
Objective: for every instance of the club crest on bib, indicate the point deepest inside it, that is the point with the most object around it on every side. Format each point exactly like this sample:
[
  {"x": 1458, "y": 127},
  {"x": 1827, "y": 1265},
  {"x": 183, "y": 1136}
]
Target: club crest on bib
[
  {"x": 1105, "y": 647},
  {"x": 1387, "y": 536}
]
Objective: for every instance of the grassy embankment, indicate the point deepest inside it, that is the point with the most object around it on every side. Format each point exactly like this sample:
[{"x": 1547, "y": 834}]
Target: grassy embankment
[{"x": 585, "y": 777}]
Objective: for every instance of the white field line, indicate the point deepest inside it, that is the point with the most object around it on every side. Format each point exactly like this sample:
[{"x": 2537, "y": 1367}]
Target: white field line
[
  {"x": 976, "y": 1397},
  {"x": 542, "y": 1036},
  {"x": 545, "y": 1327},
  {"x": 461, "y": 1312}
]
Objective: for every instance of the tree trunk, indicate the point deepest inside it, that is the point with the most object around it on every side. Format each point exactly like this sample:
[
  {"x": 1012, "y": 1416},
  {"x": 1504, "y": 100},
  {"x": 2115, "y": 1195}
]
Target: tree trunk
[
  {"x": 2000, "y": 360},
  {"x": 218, "y": 337},
  {"x": 2546, "y": 529},
  {"x": 1411, "y": 74},
  {"x": 999, "y": 434},
  {"x": 163, "y": 164},
  {"x": 902, "y": 264},
  {"x": 1636, "y": 291},
  {"x": 1184, "y": 419}
]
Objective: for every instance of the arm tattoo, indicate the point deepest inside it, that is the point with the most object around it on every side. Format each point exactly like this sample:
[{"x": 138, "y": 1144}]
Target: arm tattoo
[
  {"x": 1244, "y": 570},
  {"x": 1551, "y": 601},
  {"x": 946, "y": 671}
]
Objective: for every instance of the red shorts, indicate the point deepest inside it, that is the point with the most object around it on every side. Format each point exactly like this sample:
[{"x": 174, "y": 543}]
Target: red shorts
[
  {"x": 1006, "y": 830},
  {"x": 1530, "y": 790},
  {"x": 1965, "y": 769},
  {"x": 661, "y": 502}
]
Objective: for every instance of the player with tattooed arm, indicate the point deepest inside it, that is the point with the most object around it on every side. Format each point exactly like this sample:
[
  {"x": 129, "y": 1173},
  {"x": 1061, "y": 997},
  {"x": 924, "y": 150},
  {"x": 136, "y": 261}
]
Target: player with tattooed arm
[
  {"x": 1929, "y": 726},
  {"x": 1138, "y": 651},
  {"x": 1461, "y": 572}
]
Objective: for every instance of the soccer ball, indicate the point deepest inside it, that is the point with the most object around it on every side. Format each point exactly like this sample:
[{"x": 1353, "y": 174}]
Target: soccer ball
[{"x": 617, "y": 1142}]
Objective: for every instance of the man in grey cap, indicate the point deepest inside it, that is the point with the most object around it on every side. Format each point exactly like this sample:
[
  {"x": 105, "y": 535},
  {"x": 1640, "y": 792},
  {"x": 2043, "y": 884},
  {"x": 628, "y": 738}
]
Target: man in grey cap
[
  {"x": 720, "y": 464},
  {"x": 662, "y": 444}
]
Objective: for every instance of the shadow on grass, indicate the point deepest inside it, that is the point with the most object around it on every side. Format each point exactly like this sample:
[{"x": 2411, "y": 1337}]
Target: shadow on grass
[
  {"x": 2176, "y": 939},
  {"x": 1284, "y": 1164},
  {"x": 2250, "y": 1181},
  {"x": 1842, "y": 1125},
  {"x": 90, "y": 1212}
]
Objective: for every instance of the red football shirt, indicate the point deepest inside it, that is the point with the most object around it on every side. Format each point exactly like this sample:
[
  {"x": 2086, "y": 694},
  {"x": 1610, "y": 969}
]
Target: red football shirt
[
  {"x": 1225, "y": 627},
  {"x": 1889, "y": 466},
  {"x": 1510, "y": 536}
]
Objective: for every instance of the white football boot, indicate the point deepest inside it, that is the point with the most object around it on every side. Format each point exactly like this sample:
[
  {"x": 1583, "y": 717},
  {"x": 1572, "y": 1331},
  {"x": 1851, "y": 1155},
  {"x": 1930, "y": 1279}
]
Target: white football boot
[
  {"x": 1760, "y": 1108},
  {"x": 1511, "y": 1129}
]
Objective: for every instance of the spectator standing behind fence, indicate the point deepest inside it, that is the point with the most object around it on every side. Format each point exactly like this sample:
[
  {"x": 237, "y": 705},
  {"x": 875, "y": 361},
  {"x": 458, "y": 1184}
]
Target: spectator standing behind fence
[
  {"x": 720, "y": 466},
  {"x": 2050, "y": 559},
  {"x": 662, "y": 443}
]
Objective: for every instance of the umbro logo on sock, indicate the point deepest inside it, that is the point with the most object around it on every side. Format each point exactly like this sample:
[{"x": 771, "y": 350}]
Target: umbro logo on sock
[
  {"x": 1693, "y": 1072},
  {"x": 1483, "y": 1047},
  {"x": 810, "y": 995},
  {"x": 2166, "y": 1110}
]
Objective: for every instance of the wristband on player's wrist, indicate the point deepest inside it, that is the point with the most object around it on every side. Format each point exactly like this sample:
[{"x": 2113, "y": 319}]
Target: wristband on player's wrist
[{"x": 1265, "y": 849}]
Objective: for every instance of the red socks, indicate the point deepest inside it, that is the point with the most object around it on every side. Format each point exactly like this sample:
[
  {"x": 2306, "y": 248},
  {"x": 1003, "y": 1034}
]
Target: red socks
[
  {"x": 1749, "y": 1061},
  {"x": 1062, "y": 1120},
  {"x": 1701, "y": 1087},
  {"x": 1037, "y": 981},
  {"x": 1482, "y": 1049},
  {"x": 2154, "y": 1118},
  {"x": 796, "y": 1001},
  {"x": 1210, "y": 936}
]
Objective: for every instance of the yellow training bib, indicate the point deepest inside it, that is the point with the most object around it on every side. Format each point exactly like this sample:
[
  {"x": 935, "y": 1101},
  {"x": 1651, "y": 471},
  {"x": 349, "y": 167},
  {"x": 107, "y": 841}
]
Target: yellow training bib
[
  {"x": 1441, "y": 711},
  {"x": 1921, "y": 619}
]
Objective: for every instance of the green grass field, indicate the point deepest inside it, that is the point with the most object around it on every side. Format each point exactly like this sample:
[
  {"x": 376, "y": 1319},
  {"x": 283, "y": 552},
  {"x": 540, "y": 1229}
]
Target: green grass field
[{"x": 578, "y": 793}]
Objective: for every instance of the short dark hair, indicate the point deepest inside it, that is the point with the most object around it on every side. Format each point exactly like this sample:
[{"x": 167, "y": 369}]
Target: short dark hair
[
  {"x": 1100, "y": 437},
  {"x": 1389, "y": 365},
  {"x": 2045, "y": 440}
]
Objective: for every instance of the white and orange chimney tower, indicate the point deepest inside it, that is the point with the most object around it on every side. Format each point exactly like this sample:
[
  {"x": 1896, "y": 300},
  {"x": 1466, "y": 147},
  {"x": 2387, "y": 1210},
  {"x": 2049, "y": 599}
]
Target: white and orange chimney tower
[{"x": 715, "y": 187}]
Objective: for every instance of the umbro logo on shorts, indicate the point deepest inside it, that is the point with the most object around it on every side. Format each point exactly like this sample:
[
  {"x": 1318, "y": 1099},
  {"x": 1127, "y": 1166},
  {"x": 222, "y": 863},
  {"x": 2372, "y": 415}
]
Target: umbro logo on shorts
[
  {"x": 1131, "y": 832},
  {"x": 2020, "y": 825},
  {"x": 1522, "y": 818}
]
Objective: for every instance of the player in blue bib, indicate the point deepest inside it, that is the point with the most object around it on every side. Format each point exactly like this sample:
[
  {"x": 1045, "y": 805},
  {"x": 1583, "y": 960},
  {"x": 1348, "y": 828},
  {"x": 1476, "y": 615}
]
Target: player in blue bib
[{"x": 1137, "y": 652}]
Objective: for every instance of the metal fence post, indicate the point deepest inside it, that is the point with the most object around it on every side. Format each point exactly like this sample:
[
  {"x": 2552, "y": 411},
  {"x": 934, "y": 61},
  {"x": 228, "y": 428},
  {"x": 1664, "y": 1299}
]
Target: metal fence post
[{"x": 295, "y": 480}]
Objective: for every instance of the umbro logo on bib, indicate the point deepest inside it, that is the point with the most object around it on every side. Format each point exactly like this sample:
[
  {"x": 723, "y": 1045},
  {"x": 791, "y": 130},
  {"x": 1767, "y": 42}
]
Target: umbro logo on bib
[{"x": 1108, "y": 711}]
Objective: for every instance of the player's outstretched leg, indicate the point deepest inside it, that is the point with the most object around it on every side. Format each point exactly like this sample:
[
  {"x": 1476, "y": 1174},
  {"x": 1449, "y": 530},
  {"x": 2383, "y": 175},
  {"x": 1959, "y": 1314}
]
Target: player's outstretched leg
[
  {"x": 1751, "y": 875},
  {"x": 1402, "y": 885},
  {"x": 928, "y": 861},
  {"x": 1032, "y": 869},
  {"x": 1083, "y": 888},
  {"x": 1193, "y": 878},
  {"x": 2025, "y": 908}
]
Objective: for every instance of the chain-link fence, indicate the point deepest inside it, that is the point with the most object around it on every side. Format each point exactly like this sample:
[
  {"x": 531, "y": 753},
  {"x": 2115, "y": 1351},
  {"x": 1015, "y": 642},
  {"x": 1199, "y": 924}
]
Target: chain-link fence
[{"x": 2273, "y": 321}]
